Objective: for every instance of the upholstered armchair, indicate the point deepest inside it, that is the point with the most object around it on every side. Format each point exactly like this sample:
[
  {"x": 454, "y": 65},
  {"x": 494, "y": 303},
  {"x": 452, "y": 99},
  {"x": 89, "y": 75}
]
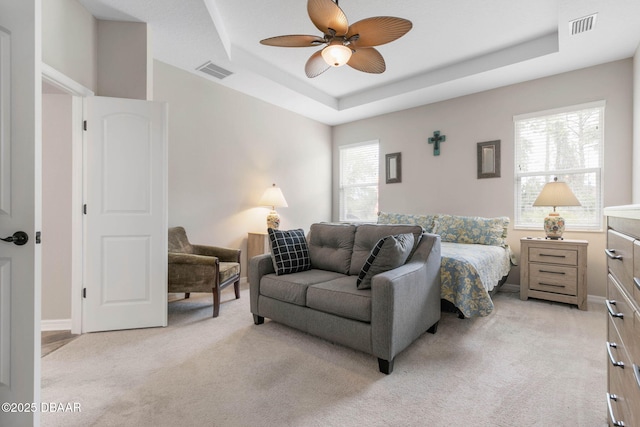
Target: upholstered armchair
[{"x": 199, "y": 268}]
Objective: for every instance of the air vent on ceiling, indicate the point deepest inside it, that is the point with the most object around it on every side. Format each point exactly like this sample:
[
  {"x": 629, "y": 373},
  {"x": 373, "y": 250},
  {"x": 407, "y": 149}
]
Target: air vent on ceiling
[
  {"x": 582, "y": 25},
  {"x": 213, "y": 70}
]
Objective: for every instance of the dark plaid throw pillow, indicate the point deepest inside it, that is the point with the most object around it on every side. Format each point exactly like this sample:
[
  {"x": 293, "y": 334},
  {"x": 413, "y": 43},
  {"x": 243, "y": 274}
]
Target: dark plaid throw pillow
[
  {"x": 289, "y": 251},
  {"x": 390, "y": 252}
]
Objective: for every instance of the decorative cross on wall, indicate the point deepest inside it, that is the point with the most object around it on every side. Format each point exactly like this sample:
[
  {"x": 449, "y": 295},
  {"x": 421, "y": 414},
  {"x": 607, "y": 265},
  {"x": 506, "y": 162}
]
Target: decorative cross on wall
[{"x": 436, "y": 140}]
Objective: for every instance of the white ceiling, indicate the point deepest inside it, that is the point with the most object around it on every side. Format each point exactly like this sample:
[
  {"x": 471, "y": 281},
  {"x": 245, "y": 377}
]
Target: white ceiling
[{"x": 456, "y": 47}]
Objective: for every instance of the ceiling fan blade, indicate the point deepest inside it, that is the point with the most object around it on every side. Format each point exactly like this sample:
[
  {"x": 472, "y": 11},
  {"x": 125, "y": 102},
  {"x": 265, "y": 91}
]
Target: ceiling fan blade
[
  {"x": 298, "y": 40},
  {"x": 378, "y": 30},
  {"x": 325, "y": 14},
  {"x": 368, "y": 60},
  {"x": 316, "y": 65}
]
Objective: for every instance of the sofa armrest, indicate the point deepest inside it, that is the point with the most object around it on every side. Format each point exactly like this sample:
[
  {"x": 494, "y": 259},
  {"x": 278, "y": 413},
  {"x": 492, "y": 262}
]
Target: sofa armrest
[
  {"x": 406, "y": 300},
  {"x": 258, "y": 267},
  {"x": 225, "y": 254}
]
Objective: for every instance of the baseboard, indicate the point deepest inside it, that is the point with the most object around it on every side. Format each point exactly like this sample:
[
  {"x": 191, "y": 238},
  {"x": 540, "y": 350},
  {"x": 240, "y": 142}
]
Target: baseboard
[
  {"x": 55, "y": 325},
  {"x": 510, "y": 287},
  {"x": 596, "y": 299}
]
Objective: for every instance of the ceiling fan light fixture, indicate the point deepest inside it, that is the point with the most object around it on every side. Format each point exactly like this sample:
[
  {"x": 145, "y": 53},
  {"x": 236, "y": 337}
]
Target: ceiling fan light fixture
[{"x": 336, "y": 55}]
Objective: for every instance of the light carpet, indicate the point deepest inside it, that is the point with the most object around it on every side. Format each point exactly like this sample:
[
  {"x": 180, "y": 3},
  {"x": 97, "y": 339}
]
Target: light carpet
[{"x": 530, "y": 363}]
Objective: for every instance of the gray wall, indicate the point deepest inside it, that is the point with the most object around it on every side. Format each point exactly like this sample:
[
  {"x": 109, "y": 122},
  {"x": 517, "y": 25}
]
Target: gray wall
[
  {"x": 56, "y": 207},
  {"x": 448, "y": 183},
  {"x": 226, "y": 148},
  {"x": 636, "y": 127}
]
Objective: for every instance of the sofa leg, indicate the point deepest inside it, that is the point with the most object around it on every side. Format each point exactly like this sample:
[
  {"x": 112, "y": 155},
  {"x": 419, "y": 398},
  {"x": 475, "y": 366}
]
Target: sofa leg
[
  {"x": 216, "y": 301},
  {"x": 236, "y": 289},
  {"x": 385, "y": 366},
  {"x": 187, "y": 295},
  {"x": 258, "y": 320},
  {"x": 434, "y": 328}
]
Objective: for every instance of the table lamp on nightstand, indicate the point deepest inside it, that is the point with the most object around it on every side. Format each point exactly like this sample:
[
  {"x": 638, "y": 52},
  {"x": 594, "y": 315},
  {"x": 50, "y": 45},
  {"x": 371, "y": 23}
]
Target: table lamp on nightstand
[
  {"x": 555, "y": 194},
  {"x": 273, "y": 198}
]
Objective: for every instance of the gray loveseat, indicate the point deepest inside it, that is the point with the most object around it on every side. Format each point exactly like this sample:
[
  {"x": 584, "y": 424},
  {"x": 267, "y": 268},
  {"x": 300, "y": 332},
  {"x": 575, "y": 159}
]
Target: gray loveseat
[{"x": 401, "y": 304}]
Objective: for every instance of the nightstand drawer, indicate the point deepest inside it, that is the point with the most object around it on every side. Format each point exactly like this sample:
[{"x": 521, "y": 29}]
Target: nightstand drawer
[
  {"x": 553, "y": 278},
  {"x": 553, "y": 256}
]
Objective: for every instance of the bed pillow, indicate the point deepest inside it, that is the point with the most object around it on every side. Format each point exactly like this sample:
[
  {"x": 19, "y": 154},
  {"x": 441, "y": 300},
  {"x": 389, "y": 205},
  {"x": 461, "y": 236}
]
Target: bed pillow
[
  {"x": 472, "y": 229},
  {"x": 425, "y": 221},
  {"x": 289, "y": 251},
  {"x": 390, "y": 252}
]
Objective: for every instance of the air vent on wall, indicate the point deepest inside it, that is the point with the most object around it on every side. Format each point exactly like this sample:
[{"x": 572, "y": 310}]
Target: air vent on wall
[
  {"x": 213, "y": 70},
  {"x": 582, "y": 25}
]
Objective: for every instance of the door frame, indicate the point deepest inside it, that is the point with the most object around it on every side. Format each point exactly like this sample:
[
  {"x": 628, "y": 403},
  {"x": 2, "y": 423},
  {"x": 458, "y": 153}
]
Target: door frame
[{"x": 78, "y": 92}]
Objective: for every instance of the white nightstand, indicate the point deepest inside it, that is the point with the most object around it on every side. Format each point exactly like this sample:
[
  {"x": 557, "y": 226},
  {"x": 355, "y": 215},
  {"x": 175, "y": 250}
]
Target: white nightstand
[{"x": 554, "y": 270}]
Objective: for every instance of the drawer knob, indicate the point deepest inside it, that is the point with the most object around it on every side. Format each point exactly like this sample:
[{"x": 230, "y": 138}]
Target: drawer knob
[
  {"x": 551, "y": 272},
  {"x": 611, "y": 253},
  {"x": 551, "y": 284},
  {"x": 612, "y": 359},
  {"x": 612, "y": 417},
  {"x": 610, "y": 304},
  {"x": 553, "y": 255}
]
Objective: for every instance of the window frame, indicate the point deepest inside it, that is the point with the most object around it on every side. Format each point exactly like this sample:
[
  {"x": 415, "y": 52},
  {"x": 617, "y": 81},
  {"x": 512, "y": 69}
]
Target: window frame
[
  {"x": 598, "y": 224},
  {"x": 341, "y": 187}
]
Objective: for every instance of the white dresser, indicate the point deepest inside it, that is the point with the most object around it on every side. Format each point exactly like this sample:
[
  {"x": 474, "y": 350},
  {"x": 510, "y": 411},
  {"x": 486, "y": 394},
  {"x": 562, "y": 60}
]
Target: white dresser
[{"x": 623, "y": 306}]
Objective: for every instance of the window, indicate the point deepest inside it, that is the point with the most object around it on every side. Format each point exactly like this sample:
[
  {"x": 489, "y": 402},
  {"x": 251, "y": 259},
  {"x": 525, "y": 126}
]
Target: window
[
  {"x": 568, "y": 144},
  {"x": 359, "y": 182}
]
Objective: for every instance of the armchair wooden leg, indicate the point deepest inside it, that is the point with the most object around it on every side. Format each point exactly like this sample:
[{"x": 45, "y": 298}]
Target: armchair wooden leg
[
  {"x": 236, "y": 289},
  {"x": 216, "y": 301},
  {"x": 187, "y": 295}
]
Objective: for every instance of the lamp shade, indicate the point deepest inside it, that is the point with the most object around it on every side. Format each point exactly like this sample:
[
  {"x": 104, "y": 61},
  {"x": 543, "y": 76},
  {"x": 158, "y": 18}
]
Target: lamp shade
[
  {"x": 273, "y": 197},
  {"x": 336, "y": 55},
  {"x": 556, "y": 194}
]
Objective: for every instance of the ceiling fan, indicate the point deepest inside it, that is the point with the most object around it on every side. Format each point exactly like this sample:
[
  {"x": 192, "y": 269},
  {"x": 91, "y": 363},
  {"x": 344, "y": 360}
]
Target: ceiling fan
[{"x": 345, "y": 44}]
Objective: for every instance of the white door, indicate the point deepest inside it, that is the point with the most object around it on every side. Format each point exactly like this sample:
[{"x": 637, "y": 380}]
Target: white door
[
  {"x": 20, "y": 143},
  {"x": 126, "y": 215}
]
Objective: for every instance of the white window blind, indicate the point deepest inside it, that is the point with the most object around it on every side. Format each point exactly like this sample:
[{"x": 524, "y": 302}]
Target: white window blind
[
  {"x": 568, "y": 144},
  {"x": 359, "y": 182}
]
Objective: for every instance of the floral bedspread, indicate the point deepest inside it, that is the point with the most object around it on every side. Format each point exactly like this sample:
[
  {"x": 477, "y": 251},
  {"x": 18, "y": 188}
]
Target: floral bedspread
[{"x": 469, "y": 271}]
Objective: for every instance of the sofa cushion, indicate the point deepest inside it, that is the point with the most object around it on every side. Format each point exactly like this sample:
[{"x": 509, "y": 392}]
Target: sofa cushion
[
  {"x": 472, "y": 229},
  {"x": 289, "y": 251},
  {"x": 331, "y": 245},
  {"x": 229, "y": 270},
  {"x": 367, "y": 235},
  {"x": 292, "y": 288},
  {"x": 425, "y": 221},
  {"x": 342, "y": 298},
  {"x": 390, "y": 252}
]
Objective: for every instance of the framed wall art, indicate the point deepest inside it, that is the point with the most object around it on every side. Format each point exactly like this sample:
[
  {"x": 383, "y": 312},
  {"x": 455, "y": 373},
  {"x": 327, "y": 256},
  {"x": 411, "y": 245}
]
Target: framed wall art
[
  {"x": 489, "y": 159},
  {"x": 393, "y": 167}
]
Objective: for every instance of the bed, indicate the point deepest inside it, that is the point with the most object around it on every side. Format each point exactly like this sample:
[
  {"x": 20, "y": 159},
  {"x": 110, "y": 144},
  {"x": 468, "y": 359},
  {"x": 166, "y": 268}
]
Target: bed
[{"x": 475, "y": 258}]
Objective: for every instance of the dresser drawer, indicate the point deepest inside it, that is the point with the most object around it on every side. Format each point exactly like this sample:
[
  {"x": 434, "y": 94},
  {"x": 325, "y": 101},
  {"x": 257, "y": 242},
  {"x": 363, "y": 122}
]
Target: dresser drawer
[
  {"x": 553, "y": 278},
  {"x": 617, "y": 385},
  {"x": 554, "y": 256},
  {"x": 636, "y": 272},
  {"x": 621, "y": 311},
  {"x": 620, "y": 258}
]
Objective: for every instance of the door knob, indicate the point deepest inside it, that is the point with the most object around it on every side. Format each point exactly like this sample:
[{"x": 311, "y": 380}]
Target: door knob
[{"x": 19, "y": 238}]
